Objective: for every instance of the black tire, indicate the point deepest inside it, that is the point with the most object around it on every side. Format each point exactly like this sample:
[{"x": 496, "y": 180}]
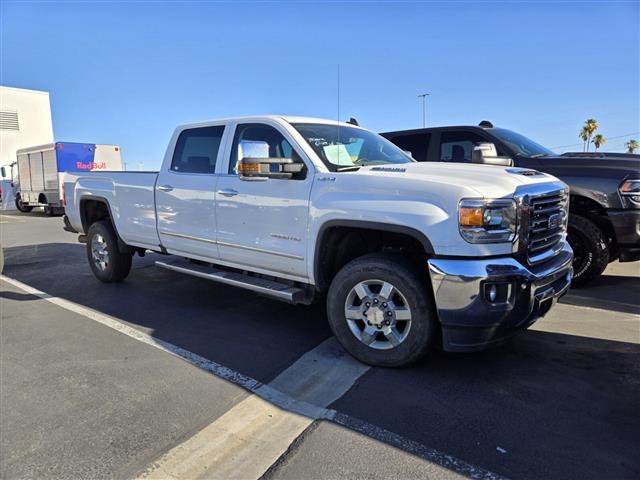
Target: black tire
[
  {"x": 590, "y": 250},
  {"x": 117, "y": 265},
  {"x": 48, "y": 211},
  {"x": 21, "y": 206},
  {"x": 413, "y": 287}
]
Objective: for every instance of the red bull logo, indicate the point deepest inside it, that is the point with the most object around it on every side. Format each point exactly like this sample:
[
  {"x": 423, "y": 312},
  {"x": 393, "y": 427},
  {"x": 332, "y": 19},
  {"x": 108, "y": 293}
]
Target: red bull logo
[{"x": 91, "y": 166}]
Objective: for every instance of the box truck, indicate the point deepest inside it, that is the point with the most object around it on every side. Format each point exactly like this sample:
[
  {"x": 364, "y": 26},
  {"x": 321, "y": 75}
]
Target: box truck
[{"x": 40, "y": 169}]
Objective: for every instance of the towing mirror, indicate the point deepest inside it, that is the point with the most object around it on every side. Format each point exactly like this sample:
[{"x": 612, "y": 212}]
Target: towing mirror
[
  {"x": 256, "y": 169},
  {"x": 3, "y": 172},
  {"x": 487, "y": 154}
]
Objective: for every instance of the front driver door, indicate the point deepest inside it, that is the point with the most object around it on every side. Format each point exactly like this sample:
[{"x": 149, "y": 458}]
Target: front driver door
[{"x": 263, "y": 224}]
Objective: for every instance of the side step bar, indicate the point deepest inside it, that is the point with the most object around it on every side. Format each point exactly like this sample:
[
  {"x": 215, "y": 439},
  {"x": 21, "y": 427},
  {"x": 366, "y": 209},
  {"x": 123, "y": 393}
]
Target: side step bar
[{"x": 271, "y": 288}]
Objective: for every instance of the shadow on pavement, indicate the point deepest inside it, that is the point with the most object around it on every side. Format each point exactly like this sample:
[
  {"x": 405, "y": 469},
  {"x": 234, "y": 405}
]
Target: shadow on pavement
[
  {"x": 561, "y": 406},
  {"x": 18, "y": 296},
  {"x": 256, "y": 336},
  {"x": 610, "y": 292}
]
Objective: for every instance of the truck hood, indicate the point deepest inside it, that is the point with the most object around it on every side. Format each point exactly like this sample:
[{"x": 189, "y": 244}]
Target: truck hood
[
  {"x": 488, "y": 181},
  {"x": 616, "y": 168}
]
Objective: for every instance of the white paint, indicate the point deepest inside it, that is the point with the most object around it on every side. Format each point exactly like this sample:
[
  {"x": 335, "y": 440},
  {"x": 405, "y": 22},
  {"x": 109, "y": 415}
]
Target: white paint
[{"x": 250, "y": 437}]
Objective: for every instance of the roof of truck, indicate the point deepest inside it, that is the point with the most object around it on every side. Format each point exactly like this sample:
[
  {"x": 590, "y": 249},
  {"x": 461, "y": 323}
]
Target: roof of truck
[{"x": 259, "y": 118}]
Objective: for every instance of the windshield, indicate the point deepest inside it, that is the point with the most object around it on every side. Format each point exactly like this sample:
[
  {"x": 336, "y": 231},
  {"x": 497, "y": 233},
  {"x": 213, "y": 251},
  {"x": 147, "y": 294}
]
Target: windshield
[
  {"x": 344, "y": 148},
  {"x": 520, "y": 143}
]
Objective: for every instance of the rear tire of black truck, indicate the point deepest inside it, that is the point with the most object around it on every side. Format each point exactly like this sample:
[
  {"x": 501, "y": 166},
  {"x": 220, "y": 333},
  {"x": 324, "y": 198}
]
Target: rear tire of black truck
[
  {"x": 590, "y": 250},
  {"x": 381, "y": 310},
  {"x": 107, "y": 262}
]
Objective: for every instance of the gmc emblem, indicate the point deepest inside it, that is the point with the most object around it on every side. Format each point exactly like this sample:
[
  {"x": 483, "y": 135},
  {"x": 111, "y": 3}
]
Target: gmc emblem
[{"x": 554, "y": 221}]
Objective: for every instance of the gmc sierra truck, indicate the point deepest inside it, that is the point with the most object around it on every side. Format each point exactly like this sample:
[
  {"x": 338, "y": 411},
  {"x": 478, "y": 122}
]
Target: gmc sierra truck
[
  {"x": 406, "y": 254},
  {"x": 604, "y": 207}
]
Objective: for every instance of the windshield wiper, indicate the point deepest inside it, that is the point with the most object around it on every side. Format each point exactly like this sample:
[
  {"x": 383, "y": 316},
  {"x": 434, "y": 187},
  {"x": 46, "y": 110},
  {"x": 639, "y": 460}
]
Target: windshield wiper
[{"x": 349, "y": 168}]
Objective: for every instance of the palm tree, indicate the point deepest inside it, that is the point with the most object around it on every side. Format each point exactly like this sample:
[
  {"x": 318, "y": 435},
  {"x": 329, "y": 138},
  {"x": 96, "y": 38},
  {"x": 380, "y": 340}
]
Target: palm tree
[
  {"x": 591, "y": 125},
  {"x": 584, "y": 135},
  {"x": 632, "y": 146},
  {"x": 599, "y": 140}
]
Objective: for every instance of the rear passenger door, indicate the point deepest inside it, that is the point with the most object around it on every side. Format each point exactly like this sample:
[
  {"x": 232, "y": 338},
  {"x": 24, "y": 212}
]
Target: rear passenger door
[{"x": 185, "y": 193}]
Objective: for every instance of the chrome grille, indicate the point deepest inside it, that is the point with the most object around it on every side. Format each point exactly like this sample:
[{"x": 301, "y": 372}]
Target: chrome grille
[{"x": 547, "y": 225}]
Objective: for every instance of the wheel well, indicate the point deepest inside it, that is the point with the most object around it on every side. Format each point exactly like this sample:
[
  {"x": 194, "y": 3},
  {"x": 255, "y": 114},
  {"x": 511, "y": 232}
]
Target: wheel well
[
  {"x": 338, "y": 245},
  {"x": 592, "y": 210},
  {"x": 92, "y": 211},
  {"x": 42, "y": 198}
]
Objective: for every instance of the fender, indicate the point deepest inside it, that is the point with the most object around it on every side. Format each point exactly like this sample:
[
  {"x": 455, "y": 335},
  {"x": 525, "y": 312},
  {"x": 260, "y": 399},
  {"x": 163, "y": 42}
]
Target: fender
[
  {"x": 363, "y": 224},
  {"x": 122, "y": 247}
]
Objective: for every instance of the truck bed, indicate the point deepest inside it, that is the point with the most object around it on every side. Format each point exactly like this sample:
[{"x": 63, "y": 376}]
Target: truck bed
[{"x": 130, "y": 195}]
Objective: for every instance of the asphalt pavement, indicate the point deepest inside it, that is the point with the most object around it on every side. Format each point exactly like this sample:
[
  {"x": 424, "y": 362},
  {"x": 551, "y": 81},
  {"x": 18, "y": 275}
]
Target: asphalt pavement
[{"x": 81, "y": 400}]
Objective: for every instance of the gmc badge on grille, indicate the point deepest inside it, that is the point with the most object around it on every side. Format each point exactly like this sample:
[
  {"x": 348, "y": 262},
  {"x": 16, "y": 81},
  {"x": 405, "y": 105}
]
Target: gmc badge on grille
[{"x": 554, "y": 221}]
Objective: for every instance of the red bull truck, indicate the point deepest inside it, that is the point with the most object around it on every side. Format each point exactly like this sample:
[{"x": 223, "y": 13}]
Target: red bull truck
[{"x": 40, "y": 170}]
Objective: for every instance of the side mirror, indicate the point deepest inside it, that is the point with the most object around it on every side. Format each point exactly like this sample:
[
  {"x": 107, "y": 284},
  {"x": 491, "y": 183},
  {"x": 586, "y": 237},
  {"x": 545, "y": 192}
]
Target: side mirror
[
  {"x": 3, "y": 172},
  {"x": 486, "y": 153},
  {"x": 256, "y": 169}
]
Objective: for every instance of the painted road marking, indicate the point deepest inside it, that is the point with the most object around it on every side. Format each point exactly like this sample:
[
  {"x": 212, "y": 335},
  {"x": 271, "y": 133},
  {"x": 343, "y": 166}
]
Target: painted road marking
[{"x": 251, "y": 437}]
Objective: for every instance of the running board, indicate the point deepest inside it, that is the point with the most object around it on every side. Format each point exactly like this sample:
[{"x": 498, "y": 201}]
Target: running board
[{"x": 271, "y": 288}]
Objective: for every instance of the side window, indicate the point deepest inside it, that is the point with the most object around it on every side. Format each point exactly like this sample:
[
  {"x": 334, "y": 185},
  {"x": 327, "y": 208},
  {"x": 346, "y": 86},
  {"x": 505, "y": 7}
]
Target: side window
[
  {"x": 197, "y": 150},
  {"x": 417, "y": 144},
  {"x": 259, "y": 141},
  {"x": 457, "y": 146}
]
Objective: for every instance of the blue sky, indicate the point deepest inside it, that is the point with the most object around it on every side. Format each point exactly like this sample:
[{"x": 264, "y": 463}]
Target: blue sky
[{"x": 128, "y": 72}]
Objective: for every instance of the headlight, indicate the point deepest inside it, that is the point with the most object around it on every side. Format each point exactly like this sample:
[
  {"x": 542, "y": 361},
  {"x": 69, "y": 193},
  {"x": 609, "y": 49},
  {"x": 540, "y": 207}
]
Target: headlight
[
  {"x": 630, "y": 189},
  {"x": 487, "y": 221}
]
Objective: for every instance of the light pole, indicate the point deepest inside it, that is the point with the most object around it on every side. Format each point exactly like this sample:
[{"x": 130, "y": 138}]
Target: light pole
[{"x": 424, "y": 108}]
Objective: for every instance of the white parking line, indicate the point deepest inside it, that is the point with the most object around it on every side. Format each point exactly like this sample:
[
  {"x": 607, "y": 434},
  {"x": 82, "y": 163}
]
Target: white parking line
[{"x": 251, "y": 437}]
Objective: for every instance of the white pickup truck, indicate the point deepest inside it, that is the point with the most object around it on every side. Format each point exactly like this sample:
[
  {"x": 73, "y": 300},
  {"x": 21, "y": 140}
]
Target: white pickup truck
[{"x": 408, "y": 255}]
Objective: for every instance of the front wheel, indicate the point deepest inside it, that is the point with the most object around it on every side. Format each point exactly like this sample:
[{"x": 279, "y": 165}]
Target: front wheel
[
  {"x": 590, "y": 249},
  {"x": 107, "y": 262},
  {"x": 21, "y": 206},
  {"x": 381, "y": 310}
]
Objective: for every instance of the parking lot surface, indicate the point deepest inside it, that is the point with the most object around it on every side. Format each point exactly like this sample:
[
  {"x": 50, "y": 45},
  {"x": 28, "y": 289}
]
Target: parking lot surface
[{"x": 82, "y": 399}]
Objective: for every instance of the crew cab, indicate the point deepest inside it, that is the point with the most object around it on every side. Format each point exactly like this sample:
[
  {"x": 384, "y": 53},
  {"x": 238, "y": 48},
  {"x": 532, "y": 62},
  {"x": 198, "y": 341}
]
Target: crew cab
[
  {"x": 406, "y": 255},
  {"x": 604, "y": 209}
]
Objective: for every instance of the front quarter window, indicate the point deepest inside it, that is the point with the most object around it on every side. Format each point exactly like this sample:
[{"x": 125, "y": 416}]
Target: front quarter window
[{"x": 343, "y": 148}]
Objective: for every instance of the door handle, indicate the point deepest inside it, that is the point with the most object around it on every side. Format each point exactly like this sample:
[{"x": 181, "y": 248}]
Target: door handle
[
  {"x": 165, "y": 188},
  {"x": 228, "y": 192}
]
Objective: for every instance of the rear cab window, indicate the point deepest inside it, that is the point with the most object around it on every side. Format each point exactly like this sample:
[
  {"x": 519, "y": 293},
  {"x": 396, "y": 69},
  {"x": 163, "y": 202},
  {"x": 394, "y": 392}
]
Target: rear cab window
[
  {"x": 197, "y": 150},
  {"x": 415, "y": 143}
]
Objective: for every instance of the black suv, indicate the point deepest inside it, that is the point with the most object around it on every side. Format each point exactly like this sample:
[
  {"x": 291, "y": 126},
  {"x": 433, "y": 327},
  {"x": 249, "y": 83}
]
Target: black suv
[{"x": 604, "y": 220}]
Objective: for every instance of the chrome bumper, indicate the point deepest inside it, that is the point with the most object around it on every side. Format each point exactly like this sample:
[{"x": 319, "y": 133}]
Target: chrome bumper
[{"x": 470, "y": 320}]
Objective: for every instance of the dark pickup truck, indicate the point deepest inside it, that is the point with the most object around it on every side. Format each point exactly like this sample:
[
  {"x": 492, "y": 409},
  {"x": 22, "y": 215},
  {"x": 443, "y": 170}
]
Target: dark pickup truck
[{"x": 604, "y": 220}]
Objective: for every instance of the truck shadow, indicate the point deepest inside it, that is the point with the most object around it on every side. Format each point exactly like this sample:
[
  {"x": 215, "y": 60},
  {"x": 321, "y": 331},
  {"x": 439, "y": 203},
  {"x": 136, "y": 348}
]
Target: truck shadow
[
  {"x": 617, "y": 293},
  {"x": 560, "y": 405}
]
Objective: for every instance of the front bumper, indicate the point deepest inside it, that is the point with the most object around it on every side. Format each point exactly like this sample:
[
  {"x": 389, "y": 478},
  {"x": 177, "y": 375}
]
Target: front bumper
[
  {"x": 470, "y": 321},
  {"x": 626, "y": 227}
]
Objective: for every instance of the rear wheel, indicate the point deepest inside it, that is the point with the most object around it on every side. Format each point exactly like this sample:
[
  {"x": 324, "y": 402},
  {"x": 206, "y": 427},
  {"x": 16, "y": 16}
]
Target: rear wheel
[
  {"x": 107, "y": 262},
  {"x": 21, "y": 206},
  {"x": 380, "y": 309},
  {"x": 590, "y": 249}
]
